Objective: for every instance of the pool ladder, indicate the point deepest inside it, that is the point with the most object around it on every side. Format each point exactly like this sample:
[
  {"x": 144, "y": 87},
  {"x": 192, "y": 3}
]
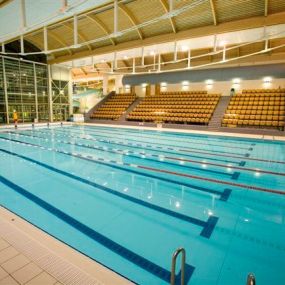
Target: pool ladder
[
  {"x": 173, "y": 265},
  {"x": 250, "y": 276},
  {"x": 250, "y": 279}
]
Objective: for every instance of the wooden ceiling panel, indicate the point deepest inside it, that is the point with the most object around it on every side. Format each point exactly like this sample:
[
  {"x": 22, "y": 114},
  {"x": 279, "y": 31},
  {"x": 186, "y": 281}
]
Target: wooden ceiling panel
[
  {"x": 238, "y": 9},
  {"x": 275, "y": 6},
  {"x": 145, "y": 10},
  {"x": 196, "y": 17},
  {"x": 133, "y": 35},
  {"x": 193, "y": 22},
  {"x": 62, "y": 31},
  {"x": 88, "y": 29},
  {"x": 159, "y": 28},
  {"x": 107, "y": 18}
]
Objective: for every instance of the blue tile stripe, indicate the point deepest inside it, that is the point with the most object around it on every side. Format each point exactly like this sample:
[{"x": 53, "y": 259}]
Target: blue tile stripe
[
  {"x": 140, "y": 202},
  {"x": 110, "y": 132},
  {"x": 132, "y": 154},
  {"x": 153, "y": 143},
  {"x": 165, "y": 133},
  {"x": 104, "y": 241},
  {"x": 145, "y": 146},
  {"x": 223, "y": 195}
]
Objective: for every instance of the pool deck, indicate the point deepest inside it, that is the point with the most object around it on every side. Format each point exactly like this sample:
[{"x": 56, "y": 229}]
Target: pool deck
[{"x": 32, "y": 257}]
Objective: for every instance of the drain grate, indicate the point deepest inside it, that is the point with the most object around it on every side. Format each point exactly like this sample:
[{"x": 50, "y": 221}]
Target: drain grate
[{"x": 59, "y": 268}]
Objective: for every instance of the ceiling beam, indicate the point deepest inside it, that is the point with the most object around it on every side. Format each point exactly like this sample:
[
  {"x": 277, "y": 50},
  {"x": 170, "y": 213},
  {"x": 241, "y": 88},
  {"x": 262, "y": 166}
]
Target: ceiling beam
[
  {"x": 165, "y": 5},
  {"x": 132, "y": 18},
  {"x": 56, "y": 38},
  {"x": 4, "y": 2},
  {"x": 83, "y": 70},
  {"x": 97, "y": 70},
  {"x": 125, "y": 63},
  {"x": 214, "y": 12},
  {"x": 266, "y": 8},
  {"x": 59, "y": 40},
  {"x": 80, "y": 35},
  {"x": 239, "y": 25},
  {"x": 101, "y": 25}
]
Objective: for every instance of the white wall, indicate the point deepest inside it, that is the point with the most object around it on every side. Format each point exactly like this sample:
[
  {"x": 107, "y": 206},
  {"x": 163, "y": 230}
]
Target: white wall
[
  {"x": 60, "y": 72},
  {"x": 224, "y": 87},
  {"x": 140, "y": 91},
  {"x": 88, "y": 102}
]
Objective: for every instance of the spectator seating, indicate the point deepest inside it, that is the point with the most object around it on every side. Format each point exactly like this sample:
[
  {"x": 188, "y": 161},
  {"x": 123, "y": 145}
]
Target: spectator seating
[
  {"x": 114, "y": 107},
  {"x": 195, "y": 107},
  {"x": 256, "y": 108}
]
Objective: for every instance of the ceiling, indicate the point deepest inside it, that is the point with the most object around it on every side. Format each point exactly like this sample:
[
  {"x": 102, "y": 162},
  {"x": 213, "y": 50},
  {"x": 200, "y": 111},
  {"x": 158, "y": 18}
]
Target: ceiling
[{"x": 145, "y": 22}]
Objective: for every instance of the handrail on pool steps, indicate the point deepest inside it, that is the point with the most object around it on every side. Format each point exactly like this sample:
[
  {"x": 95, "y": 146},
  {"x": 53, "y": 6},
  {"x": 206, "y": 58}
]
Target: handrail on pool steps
[
  {"x": 250, "y": 279},
  {"x": 173, "y": 265}
]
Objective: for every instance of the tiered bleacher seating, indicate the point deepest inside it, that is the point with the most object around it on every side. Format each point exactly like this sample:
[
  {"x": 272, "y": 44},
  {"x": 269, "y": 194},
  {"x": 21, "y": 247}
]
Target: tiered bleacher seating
[
  {"x": 256, "y": 108},
  {"x": 114, "y": 107},
  {"x": 176, "y": 107}
]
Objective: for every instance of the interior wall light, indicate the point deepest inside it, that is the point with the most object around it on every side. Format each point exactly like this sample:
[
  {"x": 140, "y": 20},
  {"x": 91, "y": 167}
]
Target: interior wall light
[
  {"x": 209, "y": 83},
  {"x": 267, "y": 79},
  {"x": 267, "y": 82},
  {"x": 236, "y": 81},
  {"x": 185, "y": 85}
]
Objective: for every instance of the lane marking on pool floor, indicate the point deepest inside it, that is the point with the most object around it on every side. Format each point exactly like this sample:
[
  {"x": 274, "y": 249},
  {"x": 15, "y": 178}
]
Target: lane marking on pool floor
[
  {"x": 154, "y": 143},
  {"x": 161, "y": 157},
  {"x": 244, "y": 157},
  {"x": 144, "y": 156},
  {"x": 160, "y": 133},
  {"x": 252, "y": 188},
  {"x": 146, "y": 146},
  {"x": 224, "y": 195},
  {"x": 104, "y": 241},
  {"x": 207, "y": 226},
  {"x": 182, "y": 141}
]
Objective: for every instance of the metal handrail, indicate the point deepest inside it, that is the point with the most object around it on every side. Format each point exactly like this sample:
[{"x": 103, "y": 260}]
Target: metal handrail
[
  {"x": 173, "y": 265},
  {"x": 250, "y": 279}
]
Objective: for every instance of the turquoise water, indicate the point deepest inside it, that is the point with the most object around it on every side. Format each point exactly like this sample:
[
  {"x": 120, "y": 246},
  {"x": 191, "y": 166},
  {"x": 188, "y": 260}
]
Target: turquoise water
[{"x": 129, "y": 198}]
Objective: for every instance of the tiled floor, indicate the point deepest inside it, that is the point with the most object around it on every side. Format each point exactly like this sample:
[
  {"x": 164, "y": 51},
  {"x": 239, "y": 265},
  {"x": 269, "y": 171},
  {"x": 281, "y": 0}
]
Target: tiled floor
[
  {"x": 16, "y": 268},
  {"x": 30, "y": 256}
]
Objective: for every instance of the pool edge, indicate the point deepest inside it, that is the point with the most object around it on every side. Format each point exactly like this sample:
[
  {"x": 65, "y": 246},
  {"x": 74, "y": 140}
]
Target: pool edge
[{"x": 58, "y": 249}]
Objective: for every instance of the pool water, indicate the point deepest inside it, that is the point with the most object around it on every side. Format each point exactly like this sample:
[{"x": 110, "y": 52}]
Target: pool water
[{"x": 129, "y": 198}]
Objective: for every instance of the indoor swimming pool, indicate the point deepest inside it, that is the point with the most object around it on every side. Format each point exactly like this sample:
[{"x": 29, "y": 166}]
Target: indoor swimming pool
[{"x": 128, "y": 198}]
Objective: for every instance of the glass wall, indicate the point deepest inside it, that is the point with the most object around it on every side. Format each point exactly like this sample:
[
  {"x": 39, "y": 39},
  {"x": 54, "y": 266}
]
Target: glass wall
[
  {"x": 2, "y": 96},
  {"x": 60, "y": 100},
  {"x": 26, "y": 89}
]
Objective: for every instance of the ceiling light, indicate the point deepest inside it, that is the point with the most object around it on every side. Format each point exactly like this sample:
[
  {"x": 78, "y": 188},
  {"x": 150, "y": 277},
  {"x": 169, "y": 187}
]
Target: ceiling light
[
  {"x": 209, "y": 82},
  {"x": 184, "y": 48},
  {"x": 126, "y": 57},
  {"x": 222, "y": 43},
  {"x": 267, "y": 79},
  {"x": 152, "y": 52},
  {"x": 236, "y": 81}
]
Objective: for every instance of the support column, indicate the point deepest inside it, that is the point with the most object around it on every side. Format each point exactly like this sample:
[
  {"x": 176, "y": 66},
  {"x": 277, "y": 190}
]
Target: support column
[
  {"x": 5, "y": 90},
  {"x": 70, "y": 93},
  {"x": 50, "y": 94},
  {"x": 36, "y": 92},
  {"x": 105, "y": 84},
  {"x": 157, "y": 89},
  {"x": 118, "y": 83}
]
